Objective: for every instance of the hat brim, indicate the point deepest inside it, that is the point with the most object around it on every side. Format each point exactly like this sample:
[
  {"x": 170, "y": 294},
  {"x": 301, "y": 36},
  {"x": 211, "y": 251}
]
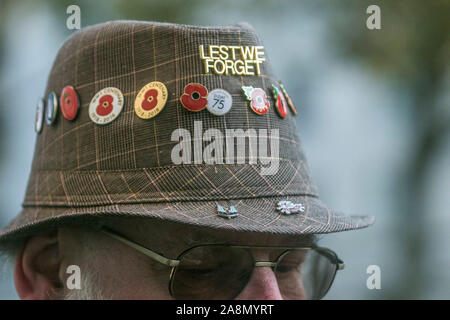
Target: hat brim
[{"x": 254, "y": 215}]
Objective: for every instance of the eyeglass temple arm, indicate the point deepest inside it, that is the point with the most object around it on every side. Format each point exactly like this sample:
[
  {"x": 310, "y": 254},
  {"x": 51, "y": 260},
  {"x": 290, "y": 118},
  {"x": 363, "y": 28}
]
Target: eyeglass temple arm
[
  {"x": 149, "y": 253},
  {"x": 340, "y": 264},
  {"x": 173, "y": 263}
]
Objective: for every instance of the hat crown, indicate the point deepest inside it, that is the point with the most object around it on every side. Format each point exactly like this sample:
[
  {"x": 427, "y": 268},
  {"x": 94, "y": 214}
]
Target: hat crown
[
  {"x": 174, "y": 164},
  {"x": 130, "y": 159}
]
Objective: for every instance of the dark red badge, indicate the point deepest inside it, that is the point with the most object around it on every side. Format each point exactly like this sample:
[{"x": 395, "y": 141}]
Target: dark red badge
[
  {"x": 69, "y": 102},
  {"x": 194, "y": 97}
]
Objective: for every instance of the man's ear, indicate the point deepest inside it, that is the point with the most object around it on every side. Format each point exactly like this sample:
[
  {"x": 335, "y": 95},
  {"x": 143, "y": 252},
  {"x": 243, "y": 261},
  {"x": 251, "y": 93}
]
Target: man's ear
[{"x": 36, "y": 272}]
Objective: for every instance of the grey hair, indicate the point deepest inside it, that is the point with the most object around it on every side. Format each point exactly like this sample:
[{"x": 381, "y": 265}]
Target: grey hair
[
  {"x": 90, "y": 289},
  {"x": 90, "y": 282}
]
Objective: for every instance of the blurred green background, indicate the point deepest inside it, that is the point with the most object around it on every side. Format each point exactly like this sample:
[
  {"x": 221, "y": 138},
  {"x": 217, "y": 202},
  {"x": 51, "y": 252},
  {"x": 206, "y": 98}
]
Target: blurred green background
[{"x": 377, "y": 102}]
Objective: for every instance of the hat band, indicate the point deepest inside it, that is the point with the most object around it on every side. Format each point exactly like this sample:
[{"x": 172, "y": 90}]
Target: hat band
[{"x": 166, "y": 184}]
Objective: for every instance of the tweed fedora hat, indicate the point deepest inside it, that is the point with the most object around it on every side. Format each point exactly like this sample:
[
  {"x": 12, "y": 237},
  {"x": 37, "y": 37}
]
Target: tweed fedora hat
[{"x": 172, "y": 122}]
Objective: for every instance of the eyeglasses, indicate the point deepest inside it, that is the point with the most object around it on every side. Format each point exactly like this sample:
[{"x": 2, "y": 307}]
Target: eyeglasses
[{"x": 221, "y": 271}]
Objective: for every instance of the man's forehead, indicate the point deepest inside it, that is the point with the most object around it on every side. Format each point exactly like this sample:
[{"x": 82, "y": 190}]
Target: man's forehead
[{"x": 164, "y": 234}]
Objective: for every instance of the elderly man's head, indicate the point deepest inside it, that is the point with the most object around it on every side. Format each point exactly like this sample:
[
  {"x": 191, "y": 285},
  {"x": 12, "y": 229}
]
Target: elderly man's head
[
  {"x": 178, "y": 145},
  {"x": 112, "y": 270}
]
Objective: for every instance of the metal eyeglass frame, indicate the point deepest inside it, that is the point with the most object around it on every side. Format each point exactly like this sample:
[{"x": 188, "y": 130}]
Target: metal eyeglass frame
[{"x": 173, "y": 263}]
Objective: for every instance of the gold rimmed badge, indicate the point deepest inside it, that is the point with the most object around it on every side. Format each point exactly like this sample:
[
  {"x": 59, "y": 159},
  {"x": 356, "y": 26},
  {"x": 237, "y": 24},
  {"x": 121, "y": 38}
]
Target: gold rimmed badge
[{"x": 150, "y": 100}]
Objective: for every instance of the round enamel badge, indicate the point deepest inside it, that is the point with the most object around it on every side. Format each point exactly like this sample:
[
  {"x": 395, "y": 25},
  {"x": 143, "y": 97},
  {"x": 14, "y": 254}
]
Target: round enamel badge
[
  {"x": 106, "y": 105},
  {"x": 39, "y": 120},
  {"x": 280, "y": 102},
  {"x": 52, "y": 108},
  {"x": 69, "y": 102},
  {"x": 219, "y": 102},
  {"x": 150, "y": 100},
  {"x": 258, "y": 99}
]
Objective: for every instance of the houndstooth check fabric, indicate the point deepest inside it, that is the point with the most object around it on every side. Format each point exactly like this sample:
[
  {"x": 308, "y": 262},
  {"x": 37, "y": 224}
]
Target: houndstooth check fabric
[{"x": 83, "y": 171}]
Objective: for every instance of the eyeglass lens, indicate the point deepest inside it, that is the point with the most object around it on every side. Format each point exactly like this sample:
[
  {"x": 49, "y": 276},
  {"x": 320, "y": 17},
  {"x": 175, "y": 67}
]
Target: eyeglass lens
[{"x": 222, "y": 272}]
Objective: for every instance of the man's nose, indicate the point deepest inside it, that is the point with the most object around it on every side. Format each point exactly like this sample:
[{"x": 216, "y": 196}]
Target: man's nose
[{"x": 262, "y": 286}]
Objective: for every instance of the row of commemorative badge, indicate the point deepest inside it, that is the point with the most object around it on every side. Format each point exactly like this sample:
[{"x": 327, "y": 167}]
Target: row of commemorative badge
[{"x": 107, "y": 104}]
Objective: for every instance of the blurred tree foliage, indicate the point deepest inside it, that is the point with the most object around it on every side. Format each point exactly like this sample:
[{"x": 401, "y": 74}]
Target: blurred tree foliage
[
  {"x": 4, "y": 9},
  {"x": 412, "y": 52}
]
